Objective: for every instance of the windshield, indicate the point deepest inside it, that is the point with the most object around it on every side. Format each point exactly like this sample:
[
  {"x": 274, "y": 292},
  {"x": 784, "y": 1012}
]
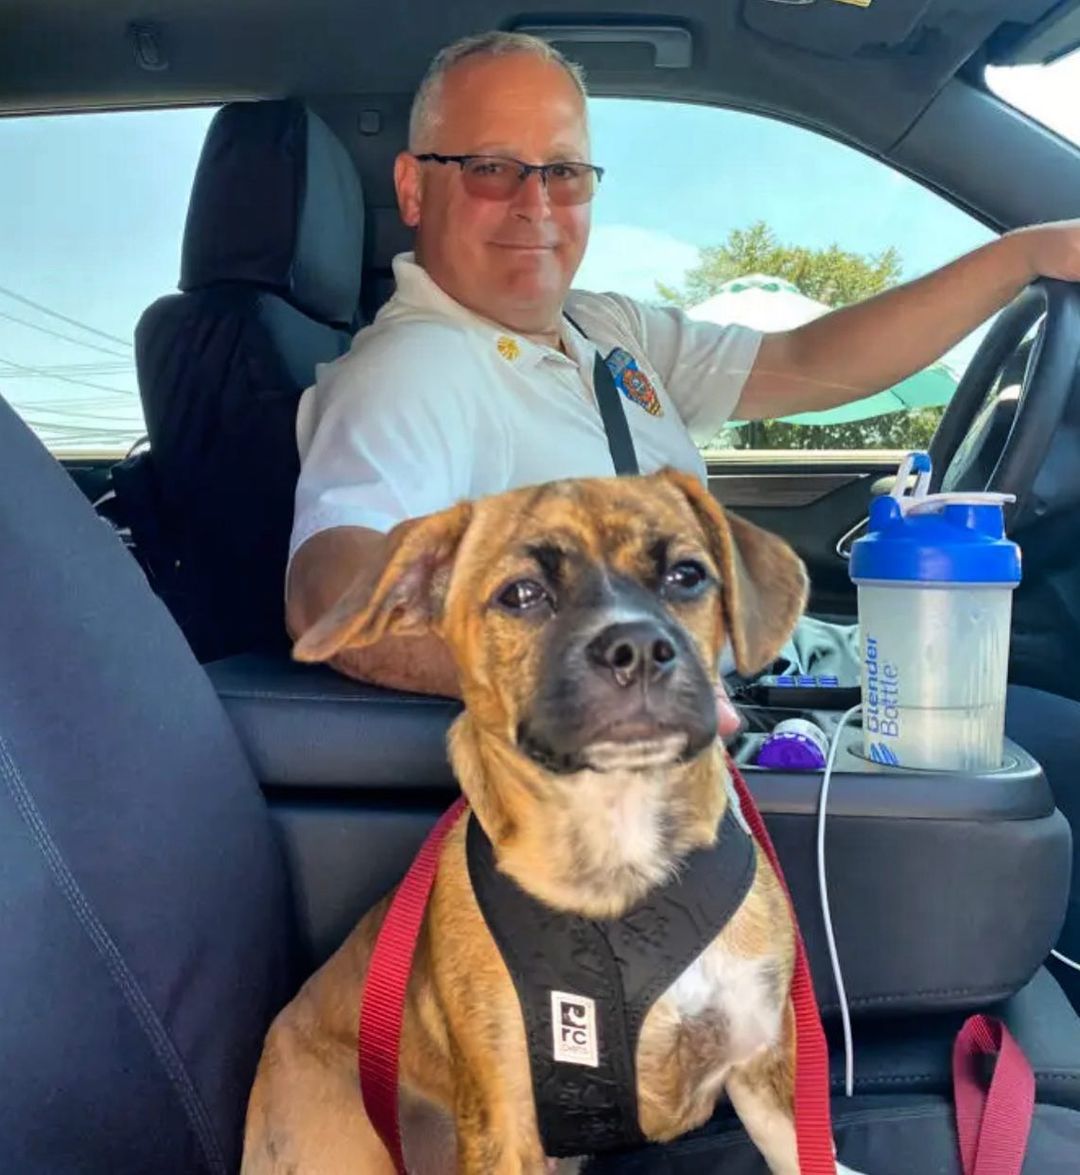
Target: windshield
[{"x": 1049, "y": 93}]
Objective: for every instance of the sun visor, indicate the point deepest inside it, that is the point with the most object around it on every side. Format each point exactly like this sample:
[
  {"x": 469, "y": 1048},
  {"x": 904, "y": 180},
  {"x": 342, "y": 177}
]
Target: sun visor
[
  {"x": 838, "y": 28},
  {"x": 1055, "y": 35},
  {"x": 886, "y": 28}
]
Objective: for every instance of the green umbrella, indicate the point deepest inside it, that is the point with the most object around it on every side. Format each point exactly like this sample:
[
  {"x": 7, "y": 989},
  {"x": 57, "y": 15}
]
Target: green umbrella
[
  {"x": 930, "y": 388},
  {"x": 770, "y": 303}
]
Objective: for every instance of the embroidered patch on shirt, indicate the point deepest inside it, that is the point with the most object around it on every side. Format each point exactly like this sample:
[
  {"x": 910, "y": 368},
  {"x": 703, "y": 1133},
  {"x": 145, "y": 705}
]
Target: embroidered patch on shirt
[
  {"x": 633, "y": 382},
  {"x": 508, "y": 347}
]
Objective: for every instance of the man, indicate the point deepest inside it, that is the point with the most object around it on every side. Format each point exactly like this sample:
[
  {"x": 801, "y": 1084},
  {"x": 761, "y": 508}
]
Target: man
[{"x": 472, "y": 380}]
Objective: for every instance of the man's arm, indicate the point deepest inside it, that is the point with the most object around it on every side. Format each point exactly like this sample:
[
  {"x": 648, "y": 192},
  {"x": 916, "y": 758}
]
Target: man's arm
[
  {"x": 864, "y": 348},
  {"x": 324, "y": 566}
]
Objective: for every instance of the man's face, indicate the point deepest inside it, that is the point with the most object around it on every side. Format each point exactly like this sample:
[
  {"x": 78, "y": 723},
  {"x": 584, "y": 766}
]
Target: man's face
[{"x": 510, "y": 261}]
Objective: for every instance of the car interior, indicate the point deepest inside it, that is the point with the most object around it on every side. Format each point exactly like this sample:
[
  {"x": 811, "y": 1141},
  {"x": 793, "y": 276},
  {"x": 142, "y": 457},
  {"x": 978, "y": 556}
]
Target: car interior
[{"x": 192, "y": 822}]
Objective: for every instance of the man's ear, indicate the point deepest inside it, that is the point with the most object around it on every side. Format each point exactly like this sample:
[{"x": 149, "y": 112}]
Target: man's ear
[
  {"x": 407, "y": 186},
  {"x": 764, "y": 582},
  {"x": 408, "y": 594}
]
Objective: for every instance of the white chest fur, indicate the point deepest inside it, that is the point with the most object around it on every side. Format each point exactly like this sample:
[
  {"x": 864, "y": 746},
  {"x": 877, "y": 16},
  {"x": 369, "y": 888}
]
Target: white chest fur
[{"x": 739, "y": 992}]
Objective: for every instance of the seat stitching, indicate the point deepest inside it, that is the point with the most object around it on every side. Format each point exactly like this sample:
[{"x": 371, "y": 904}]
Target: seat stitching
[{"x": 159, "y": 1039}]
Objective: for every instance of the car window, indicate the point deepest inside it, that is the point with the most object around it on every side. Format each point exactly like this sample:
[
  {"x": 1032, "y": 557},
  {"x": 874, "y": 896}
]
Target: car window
[
  {"x": 1045, "y": 92},
  {"x": 740, "y": 218},
  {"x": 92, "y": 208}
]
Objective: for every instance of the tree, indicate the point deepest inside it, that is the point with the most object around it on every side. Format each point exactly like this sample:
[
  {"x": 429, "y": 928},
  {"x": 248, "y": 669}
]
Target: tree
[
  {"x": 912, "y": 429},
  {"x": 833, "y": 276}
]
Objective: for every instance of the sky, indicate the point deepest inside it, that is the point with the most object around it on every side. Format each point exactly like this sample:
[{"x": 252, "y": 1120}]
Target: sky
[{"x": 93, "y": 222}]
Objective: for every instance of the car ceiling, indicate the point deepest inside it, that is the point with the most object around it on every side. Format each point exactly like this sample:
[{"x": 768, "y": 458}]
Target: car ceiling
[{"x": 863, "y": 72}]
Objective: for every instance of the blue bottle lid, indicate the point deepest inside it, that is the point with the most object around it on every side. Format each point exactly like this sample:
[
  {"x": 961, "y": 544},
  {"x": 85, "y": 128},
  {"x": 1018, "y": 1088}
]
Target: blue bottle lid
[{"x": 920, "y": 537}]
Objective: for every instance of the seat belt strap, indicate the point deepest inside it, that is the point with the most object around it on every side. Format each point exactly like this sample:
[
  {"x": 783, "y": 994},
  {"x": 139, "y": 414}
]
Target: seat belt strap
[{"x": 610, "y": 402}]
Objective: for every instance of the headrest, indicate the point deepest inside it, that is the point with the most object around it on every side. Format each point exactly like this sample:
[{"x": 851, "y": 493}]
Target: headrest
[{"x": 277, "y": 202}]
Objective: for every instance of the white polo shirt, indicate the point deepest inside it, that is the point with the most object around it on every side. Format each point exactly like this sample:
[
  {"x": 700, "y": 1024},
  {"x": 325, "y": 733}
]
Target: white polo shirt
[{"x": 433, "y": 404}]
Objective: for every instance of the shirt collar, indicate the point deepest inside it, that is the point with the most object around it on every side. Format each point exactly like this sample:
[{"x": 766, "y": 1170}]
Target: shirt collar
[{"x": 416, "y": 290}]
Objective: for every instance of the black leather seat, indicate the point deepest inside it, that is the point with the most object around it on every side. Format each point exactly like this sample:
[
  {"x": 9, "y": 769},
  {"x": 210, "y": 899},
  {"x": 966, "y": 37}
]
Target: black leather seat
[
  {"x": 270, "y": 285},
  {"x": 145, "y": 910}
]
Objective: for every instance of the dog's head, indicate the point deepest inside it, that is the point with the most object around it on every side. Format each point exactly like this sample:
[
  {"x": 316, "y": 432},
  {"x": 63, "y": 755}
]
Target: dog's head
[{"x": 585, "y": 617}]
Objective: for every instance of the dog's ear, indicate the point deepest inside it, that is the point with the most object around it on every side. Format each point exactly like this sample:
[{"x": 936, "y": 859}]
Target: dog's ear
[
  {"x": 764, "y": 582},
  {"x": 408, "y": 593}
]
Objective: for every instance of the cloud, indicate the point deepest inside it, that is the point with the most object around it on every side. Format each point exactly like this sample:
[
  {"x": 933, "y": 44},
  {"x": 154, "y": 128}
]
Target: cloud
[{"x": 628, "y": 260}]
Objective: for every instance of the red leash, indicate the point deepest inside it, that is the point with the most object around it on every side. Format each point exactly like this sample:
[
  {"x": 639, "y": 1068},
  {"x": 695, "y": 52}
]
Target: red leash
[
  {"x": 383, "y": 1006},
  {"x": 992, "y": 1126},
  {"x": 813, "y": 1123}
]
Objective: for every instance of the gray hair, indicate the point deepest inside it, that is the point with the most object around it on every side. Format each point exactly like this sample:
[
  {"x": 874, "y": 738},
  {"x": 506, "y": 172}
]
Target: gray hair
[{"x": 426, "y": 114}]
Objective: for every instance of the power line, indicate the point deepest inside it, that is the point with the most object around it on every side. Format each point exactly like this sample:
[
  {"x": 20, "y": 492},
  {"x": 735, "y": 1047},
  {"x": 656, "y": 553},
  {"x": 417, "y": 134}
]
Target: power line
[
  {"x": 103, "y": 417},
  {"x": 21, "y": 368},
  {"x": 60, "y": 335},
  {"x": 73, "y": 369},
  {"x": 77, "y": 430},
  {"x": 63, "y": 317}
]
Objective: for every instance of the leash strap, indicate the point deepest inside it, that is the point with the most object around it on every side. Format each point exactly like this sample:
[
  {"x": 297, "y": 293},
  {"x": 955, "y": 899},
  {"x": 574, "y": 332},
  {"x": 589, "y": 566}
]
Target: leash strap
[
  {"x": 992, "y": 1124},
  {"x": 609, "y": 401},
  {"x": 813, "y": 1123},
  {"x": 383, "y": 1005}
]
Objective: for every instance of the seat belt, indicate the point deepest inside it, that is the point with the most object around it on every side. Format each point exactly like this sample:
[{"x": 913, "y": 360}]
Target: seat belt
[{"x": 610, "y": 402}]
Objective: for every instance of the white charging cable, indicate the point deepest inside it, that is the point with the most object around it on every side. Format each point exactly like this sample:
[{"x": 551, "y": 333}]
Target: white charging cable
[
  {"x": 823, "y": 890},
  {"x": 826, "y": 915},
  {"x": 1065, "y": 959}
]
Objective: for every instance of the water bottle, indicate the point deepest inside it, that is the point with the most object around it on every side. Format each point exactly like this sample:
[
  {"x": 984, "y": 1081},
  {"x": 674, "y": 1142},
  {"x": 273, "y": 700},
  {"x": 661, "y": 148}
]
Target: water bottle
[{"x": 935, "y": 577}]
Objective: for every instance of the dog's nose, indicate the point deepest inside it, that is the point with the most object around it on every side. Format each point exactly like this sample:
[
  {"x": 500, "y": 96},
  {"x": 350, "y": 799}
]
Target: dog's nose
[{"x": 631, "y": 652}]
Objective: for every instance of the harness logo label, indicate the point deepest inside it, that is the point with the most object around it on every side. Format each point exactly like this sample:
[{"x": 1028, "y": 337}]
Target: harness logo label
[{"x": 573, "y": 1028}]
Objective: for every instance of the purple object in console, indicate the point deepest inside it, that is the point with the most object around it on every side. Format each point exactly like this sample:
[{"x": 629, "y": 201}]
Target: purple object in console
[{"x": 795, "y": 745}]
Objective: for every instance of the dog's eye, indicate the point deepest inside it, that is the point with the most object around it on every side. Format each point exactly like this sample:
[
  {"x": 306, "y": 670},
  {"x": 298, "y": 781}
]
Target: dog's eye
[
  {"x": 522, "y": 595},
  {"x": 685, "y": 578}
]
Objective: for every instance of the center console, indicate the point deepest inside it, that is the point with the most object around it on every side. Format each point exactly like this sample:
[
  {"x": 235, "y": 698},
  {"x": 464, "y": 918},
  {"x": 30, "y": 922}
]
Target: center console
[{"x": 947, "y": 890}]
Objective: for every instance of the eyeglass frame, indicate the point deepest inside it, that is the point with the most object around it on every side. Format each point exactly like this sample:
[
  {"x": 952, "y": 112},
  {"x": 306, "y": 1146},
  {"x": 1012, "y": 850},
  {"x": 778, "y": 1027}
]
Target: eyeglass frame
[{"x": 524, "y": 169}]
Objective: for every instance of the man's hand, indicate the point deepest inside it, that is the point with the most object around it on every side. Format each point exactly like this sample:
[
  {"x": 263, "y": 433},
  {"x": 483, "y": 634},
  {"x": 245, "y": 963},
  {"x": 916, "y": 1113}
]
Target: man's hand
[
  {"x": 727, "y": 717},
  {"x": 1051, "y": 250}
]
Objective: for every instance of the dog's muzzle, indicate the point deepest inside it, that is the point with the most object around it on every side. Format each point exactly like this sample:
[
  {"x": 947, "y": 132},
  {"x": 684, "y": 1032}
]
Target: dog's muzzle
[{"x": 628, "y": 694}]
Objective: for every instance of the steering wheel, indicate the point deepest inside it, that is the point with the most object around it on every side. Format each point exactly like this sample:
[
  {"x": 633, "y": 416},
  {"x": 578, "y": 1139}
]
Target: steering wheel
[{"x": 996, "y": 431}]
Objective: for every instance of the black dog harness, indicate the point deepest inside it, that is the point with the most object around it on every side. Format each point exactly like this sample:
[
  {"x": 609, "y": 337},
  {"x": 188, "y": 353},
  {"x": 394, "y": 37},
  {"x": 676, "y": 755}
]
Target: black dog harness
[{"x": 585, "y": 985}]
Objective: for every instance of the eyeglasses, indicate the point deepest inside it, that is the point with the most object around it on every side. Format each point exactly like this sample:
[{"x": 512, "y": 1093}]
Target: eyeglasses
[{"x": 498, "y": 177}]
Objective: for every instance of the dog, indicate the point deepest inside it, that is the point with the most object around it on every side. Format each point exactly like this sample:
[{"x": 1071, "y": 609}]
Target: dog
[{"x": 585, "y": 619}]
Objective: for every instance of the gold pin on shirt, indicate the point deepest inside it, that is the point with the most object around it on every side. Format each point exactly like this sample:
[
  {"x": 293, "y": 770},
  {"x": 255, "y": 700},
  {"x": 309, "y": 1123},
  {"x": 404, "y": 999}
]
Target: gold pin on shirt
[{"x": 508, "y": 347}]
